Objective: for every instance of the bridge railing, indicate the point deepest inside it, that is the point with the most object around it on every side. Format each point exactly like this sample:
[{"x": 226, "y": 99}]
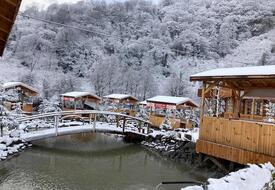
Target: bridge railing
[{"x": 95, "y": 113}]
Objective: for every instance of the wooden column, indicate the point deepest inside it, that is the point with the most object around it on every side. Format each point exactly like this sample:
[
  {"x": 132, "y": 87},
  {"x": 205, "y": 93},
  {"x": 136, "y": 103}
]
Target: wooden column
[
  {"x": 139, "y": 126},
  {"x": 94, "y": 125},
  {"x": 237, "y": 103},
  {"x": 56, "y": 121},
  {"x": 253, "y": 109},
  {"x": 202, "y": 102},
  {"x": 117, "y": 121},
  {"x": 90, "y": 119},
  {"x": 148, "y": 128},
  {"x": 123, "y": 127}
]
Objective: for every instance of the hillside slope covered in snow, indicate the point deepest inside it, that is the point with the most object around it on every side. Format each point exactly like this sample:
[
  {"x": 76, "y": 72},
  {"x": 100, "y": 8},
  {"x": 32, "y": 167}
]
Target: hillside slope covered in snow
[{"x": 136, "y": 47}]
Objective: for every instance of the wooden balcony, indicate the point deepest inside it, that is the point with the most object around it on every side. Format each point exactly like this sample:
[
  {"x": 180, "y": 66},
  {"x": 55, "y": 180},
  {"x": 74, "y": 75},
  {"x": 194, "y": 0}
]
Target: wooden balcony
[{"x": 237, "y": 140}]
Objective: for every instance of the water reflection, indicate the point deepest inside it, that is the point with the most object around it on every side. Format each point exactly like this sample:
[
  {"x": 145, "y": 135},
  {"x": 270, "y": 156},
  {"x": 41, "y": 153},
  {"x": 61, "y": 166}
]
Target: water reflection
[{"x": 89, "y": 162}]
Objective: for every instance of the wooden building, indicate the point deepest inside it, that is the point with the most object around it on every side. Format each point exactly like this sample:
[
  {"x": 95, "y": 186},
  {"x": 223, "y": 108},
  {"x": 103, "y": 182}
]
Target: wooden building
[
  {"x": 79, "y": 101},
  {"x": 237, "y": 117},
  {"x": 8, "y": 12},
  {"x": 123, "y": 103},
  {"x": 159, "y": 107},
  {"x": 25, "y": 95}
]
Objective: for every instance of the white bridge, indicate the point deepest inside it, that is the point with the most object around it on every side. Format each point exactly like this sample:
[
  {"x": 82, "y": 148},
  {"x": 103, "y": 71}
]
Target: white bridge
[{"x": 90, "y": 117}]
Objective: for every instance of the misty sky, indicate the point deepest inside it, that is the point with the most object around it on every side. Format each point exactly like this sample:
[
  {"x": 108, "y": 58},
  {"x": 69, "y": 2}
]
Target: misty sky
[{"x": 45, "y": 3}]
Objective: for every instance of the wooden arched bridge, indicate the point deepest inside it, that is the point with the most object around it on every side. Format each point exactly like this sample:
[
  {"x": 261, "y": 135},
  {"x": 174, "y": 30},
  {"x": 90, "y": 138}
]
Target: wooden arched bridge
[{"x": 92, "y": 120}]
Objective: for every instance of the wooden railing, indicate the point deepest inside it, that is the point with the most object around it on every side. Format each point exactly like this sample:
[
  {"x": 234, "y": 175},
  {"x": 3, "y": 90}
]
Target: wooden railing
[{"x": 248, "y": 135}]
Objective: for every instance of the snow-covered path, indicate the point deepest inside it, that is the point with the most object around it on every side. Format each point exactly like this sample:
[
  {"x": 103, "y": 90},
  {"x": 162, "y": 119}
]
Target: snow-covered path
[{"x": 100, "y": 128}]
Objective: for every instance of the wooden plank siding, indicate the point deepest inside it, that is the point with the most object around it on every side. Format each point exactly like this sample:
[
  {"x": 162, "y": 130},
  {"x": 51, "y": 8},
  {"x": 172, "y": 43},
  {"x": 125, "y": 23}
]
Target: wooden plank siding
[{"x": 237, "y": 140}]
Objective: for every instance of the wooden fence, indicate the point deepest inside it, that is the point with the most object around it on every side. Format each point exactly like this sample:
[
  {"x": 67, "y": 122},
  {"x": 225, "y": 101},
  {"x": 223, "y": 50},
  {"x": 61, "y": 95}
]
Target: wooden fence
[{"x": 237, "y": 140}]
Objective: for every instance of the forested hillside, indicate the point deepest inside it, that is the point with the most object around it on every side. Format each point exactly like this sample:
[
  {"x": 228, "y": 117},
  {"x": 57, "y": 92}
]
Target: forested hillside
[{"x": 137, "y": 47}]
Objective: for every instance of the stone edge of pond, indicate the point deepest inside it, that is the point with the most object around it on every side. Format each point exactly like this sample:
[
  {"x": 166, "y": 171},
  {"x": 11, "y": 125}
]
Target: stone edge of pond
[
  {"x": 179, "y": 151},
  {"x": 11, "y": 146}
]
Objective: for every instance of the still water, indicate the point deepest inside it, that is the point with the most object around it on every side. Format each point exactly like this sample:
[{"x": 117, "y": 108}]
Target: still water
[{"x": 90, "y": 162}]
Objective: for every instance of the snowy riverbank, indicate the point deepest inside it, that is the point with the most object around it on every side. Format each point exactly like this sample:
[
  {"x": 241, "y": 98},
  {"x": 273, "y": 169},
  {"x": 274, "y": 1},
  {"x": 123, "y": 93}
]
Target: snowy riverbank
[
  {"x": 176, "y": 145},
  {"x": 255, "y": 177},
  {"x": 10, "y": 146}
]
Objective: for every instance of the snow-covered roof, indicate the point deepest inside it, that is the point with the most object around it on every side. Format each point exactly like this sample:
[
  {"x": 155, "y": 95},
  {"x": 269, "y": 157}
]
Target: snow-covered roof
[
  {"x": 120, "y": 96},
  {"x": 143, "y": 102},
  {"x": 171, "y": 100},
  {"x": 9, "y": 85},
  {"x": 76, "y": 94},
  {"x": 237, "y": 72}
]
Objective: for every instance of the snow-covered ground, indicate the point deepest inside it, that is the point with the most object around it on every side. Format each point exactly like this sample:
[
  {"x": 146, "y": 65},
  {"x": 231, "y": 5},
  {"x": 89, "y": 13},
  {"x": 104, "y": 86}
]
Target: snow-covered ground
[
  {"x": 10, "y": 145},
  {"x": 178, "y": 135},
  {"x": 255, "y": 177}
]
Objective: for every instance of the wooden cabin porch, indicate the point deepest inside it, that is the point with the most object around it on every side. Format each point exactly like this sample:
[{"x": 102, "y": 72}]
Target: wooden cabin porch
[
  {"x": 163, "y": 107},
  {"x": 235, "y": 123},
  {"x": 238, "y": 140}
]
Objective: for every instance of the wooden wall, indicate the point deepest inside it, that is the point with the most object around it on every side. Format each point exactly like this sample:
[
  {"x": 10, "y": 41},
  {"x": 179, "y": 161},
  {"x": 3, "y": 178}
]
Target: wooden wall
[
  {"x": 247, "y": 138},
  {"x": 27, "y": 107},
  {"x": 157, "y": 120}
]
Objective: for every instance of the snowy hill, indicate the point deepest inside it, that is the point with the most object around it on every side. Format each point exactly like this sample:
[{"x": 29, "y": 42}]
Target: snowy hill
[{"x": 136, "y": 47}]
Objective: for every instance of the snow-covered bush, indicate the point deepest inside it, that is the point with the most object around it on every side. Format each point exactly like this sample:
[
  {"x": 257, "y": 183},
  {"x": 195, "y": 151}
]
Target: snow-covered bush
[
  {"x": 10, "y": 95},
  {"x": 165, "y": 125},
  {"x": 47, "y": 107},
  {"x": 16, "y": 110}
]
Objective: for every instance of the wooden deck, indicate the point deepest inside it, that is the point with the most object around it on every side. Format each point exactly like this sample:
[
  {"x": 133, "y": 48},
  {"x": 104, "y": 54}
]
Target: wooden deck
[{"x": 240, "y": 141}]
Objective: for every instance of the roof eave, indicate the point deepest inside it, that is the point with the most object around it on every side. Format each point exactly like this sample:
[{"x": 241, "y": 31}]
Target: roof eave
[{"x": 232, "y": 77}]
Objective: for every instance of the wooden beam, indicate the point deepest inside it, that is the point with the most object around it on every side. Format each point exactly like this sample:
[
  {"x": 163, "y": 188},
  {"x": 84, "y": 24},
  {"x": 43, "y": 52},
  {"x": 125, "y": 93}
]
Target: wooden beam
[
  {"x": 202, "y": 102},
  {"x": 11, "y": 3}
]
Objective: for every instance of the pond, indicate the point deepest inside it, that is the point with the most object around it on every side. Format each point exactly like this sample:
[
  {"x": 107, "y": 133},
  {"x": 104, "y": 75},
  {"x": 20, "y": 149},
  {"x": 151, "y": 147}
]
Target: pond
[{"x": 91, "y": 162}]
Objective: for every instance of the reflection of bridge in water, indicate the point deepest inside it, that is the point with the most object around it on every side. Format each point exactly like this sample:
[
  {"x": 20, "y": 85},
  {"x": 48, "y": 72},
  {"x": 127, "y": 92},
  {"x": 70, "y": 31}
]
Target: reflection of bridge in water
[{"x": 141, "y": 127}]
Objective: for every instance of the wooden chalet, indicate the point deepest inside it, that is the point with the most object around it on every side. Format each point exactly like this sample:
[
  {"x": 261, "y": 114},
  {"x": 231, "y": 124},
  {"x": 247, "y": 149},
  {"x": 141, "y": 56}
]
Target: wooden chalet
[
  {"x": 123, "y": 103},
  {"x": 236, "y": 114},
  {"x": 25, "y": 94},
  {"x": 79, "y": 101},
  {"x": 159, "y": 106},
  {"x": 8, "y": 12}
]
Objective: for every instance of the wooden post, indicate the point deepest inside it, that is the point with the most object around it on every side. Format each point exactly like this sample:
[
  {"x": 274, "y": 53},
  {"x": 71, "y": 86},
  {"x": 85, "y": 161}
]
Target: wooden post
[
  {"x": 56, "y": 125},
  {"x": 90, "y": 119},
  {"x": 94, "y": 125},
  {"x": 237, "y": 103},
  {"x": 202, "y": 102},
  {"x": 123, "y": 127},
  {"x": 148, "y": 128},
  {"x": 139, "y": 126},
  {"x": 117, "y": 121},
  {"x": 253, "y": 109}
]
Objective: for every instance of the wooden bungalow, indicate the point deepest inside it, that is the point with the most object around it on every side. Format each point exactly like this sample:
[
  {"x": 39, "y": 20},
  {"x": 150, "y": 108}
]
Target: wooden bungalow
[
  {"x": 123, "y": 103},
  {"x": 79, "y": 101},
  {"x": 25, "y": 95},
  {"x": 237, "y": 114},
  {"x": 160, "y": 105},
  {"x": 8, "y": 12}
]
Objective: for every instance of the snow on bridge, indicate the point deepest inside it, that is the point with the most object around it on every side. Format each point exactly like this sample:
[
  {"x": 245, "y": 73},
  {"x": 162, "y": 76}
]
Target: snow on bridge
[
  {"x": 100, "y": 128},
  {"x": 93, "y": 126}
]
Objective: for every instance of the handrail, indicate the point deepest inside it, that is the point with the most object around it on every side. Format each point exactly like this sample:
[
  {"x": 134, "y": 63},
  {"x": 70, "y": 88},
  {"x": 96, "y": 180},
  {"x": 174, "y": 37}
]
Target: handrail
[{"x": 64, "y": 113}]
